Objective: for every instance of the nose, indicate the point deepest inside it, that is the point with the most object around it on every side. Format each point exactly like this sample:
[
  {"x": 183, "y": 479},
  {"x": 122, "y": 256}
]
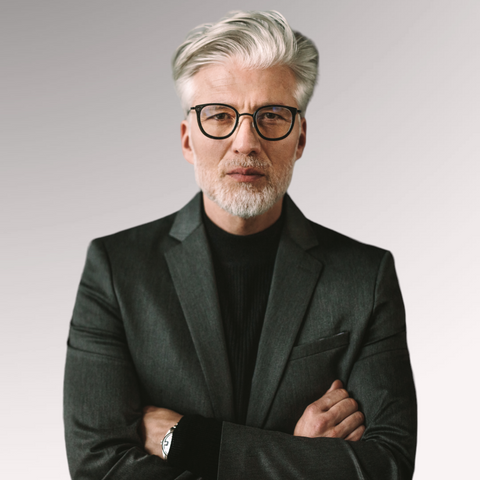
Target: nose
[{"x": 246, "y": 140}]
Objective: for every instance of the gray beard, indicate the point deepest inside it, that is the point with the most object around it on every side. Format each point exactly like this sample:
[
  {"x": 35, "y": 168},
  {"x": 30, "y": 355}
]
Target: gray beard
[{"x": 245, "y": 200}]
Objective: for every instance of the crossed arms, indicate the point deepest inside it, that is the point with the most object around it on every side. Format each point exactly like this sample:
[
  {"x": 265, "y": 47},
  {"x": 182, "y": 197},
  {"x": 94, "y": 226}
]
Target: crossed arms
[{"x": 334, "y": 415}]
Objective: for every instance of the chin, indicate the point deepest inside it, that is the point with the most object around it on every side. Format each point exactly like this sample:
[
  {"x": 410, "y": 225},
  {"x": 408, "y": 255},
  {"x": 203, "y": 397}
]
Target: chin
[{"x": 245, "y": 200}]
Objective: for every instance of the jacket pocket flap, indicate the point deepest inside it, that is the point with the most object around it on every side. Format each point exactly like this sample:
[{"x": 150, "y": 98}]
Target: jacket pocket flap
[{"x": 320, "y": 345}]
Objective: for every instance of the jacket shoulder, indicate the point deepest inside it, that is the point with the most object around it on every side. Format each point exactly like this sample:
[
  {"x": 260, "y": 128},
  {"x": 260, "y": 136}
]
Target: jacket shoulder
[
  {"x": 145, "y": 237},
  {"x": 333, "y": 246}
]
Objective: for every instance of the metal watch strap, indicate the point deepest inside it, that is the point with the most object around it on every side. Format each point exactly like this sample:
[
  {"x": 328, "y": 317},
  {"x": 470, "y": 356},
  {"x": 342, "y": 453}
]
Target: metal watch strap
[{"x": 169, "y": 433}]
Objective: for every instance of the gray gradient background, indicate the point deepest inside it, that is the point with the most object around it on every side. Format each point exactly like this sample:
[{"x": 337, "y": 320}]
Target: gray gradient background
[{"x": 90, "y": 145}]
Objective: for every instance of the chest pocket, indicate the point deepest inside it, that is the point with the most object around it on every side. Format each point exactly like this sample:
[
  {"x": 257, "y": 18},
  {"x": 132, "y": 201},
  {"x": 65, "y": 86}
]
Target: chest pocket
[{"x": 321, "y": 345}]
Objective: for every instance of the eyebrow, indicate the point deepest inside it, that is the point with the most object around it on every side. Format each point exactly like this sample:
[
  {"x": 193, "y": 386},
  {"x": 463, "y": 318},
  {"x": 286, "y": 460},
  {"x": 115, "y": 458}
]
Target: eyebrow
[{"x": 257, "y": 106}]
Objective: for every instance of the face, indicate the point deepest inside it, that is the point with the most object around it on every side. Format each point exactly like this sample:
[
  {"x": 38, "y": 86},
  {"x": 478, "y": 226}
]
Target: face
[{"x": 244, "y": 174}]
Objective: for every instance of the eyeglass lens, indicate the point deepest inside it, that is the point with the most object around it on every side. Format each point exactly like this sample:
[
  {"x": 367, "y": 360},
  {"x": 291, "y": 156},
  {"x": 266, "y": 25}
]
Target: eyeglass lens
[{"x": 220, "y": 121}]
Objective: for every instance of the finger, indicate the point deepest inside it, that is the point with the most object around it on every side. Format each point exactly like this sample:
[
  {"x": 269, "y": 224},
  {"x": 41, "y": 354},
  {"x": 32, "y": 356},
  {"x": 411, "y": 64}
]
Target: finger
[
  {"x": 357, "y": 434},
  {"x": 344, "y": 409},
  {"x": 349, "y": 425},
  {"x": 330, "y": 399},
  {"x": 335, "y": 385}
]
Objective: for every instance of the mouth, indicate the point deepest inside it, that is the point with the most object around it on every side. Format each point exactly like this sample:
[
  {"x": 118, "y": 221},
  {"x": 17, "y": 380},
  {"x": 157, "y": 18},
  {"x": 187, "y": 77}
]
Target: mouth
[{"x": 245, "y": 174}]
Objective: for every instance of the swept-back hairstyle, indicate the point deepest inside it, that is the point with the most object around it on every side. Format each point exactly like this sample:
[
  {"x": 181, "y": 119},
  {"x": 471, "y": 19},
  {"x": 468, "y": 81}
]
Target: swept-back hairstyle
[{"x": 256, "y": 40}]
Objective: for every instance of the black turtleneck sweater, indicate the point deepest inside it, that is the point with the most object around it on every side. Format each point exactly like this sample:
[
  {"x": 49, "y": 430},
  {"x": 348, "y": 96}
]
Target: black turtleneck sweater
[{"x": 243, "y": 271}]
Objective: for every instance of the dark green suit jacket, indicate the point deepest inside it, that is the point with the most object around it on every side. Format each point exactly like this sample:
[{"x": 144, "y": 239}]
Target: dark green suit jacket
[{"x": 147, "y": 330}]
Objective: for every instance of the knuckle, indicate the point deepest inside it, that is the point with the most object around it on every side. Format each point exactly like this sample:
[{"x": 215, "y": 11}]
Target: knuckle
[
  {"x": 312, "y": 410},
  {"x": 342, "y": 392},
  {"x": 353, "y": 403},
  {"x": 332, "y": 433},
  {"x": 327, "y": 404},
  {"x": 321, "y": 426}
]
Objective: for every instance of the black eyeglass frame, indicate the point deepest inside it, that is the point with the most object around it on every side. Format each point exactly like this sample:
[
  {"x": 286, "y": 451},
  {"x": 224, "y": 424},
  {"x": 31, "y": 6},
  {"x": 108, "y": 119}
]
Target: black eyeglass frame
[{"x": 198, "y": 109}]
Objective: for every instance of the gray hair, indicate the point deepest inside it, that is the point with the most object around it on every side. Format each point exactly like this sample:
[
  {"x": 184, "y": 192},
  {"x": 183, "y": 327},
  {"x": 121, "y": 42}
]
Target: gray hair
[{"x": 257, "y": 40}]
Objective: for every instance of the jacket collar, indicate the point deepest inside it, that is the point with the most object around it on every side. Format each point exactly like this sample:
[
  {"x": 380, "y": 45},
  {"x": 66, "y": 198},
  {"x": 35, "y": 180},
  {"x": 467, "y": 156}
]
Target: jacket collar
[{"x": 296, "y": 225}]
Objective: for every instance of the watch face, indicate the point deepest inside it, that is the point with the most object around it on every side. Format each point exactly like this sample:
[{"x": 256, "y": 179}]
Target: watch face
[{"x": 167, "y": 443}]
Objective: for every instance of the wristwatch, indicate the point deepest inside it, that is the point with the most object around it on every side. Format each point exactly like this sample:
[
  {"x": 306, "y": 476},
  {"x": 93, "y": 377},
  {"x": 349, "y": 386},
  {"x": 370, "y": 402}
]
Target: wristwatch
[{"x": 167, "y": 442}]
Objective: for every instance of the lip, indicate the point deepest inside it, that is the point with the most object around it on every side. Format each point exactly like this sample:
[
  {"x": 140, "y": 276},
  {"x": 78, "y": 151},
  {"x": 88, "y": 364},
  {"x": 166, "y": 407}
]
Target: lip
[
  {"x": 245, "y": 174},
  {"x": 245, "y": 171}
]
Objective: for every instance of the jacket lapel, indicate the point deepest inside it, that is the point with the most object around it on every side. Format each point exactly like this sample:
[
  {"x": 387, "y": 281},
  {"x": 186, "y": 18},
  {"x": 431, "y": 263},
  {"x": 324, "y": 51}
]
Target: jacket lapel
[
  {"x": 191, "y": 268},
  {"x": 295, "y": 276}
]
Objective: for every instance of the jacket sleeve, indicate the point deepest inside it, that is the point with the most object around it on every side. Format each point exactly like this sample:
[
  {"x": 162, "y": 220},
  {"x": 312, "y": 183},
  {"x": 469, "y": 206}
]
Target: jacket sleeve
[
  {"x": 380, "y": 380},
  {"x": 102, "y": 400}
]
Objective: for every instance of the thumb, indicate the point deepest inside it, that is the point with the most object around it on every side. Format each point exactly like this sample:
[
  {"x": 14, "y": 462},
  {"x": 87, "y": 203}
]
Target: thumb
[{"x": 335, "y": 385}]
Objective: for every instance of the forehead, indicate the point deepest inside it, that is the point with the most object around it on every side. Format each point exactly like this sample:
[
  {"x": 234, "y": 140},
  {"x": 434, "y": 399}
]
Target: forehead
[{"x": 242, "y": 87}]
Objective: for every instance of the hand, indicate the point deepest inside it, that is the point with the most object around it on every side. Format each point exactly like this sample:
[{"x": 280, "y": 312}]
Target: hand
[
  {"x": 155, "y": 425},
  {"x": 334, "y": 415}
]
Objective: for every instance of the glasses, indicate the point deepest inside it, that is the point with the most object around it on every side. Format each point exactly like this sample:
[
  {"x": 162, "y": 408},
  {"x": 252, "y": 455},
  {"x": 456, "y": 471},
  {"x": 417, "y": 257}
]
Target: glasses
[{"x": 219, "y": 121}]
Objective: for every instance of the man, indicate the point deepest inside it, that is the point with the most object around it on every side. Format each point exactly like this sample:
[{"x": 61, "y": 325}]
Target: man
[{"x": 216, "y": 342}]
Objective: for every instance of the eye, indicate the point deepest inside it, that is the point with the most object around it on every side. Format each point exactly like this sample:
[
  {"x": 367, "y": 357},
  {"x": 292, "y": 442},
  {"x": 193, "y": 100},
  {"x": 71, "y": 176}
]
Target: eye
[
  {"x": 218, "y": 114},
  {"x": 221, "y": 116},
  {"x": 271, "y": 116}
]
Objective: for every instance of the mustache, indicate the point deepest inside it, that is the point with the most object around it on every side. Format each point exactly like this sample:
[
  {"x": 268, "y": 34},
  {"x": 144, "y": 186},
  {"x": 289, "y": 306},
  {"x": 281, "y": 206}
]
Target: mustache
[{"x": 250, "y": 161}]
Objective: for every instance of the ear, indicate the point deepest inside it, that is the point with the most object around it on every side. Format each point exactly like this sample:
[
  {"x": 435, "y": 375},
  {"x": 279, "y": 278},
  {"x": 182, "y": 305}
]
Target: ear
[
  {"x": 186, "y": 142},
  {"x": 302, "y": 139}
]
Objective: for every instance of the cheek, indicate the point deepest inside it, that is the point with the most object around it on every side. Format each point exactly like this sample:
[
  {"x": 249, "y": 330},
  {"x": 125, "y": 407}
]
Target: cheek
[
  {"x": 208, "y": 151},
  {"x": 283, "y": 155}
]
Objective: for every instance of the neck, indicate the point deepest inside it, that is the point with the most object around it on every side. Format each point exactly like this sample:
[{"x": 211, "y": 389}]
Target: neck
[{"x": 241, "y": 226}]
